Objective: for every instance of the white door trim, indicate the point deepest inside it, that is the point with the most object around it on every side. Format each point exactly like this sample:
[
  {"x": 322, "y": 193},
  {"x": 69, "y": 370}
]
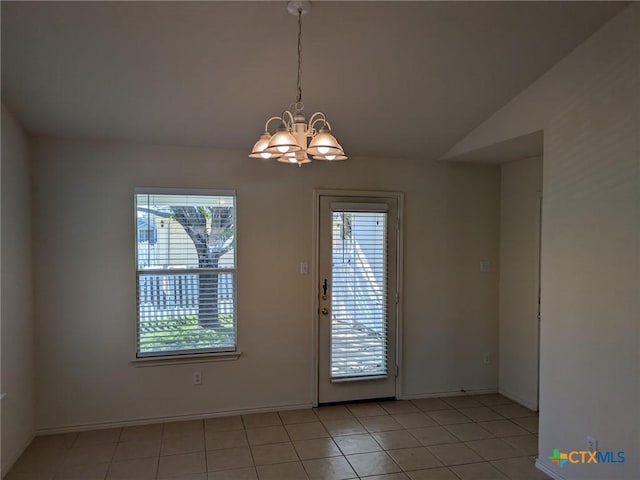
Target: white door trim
[{"x": 317, "y": 193}]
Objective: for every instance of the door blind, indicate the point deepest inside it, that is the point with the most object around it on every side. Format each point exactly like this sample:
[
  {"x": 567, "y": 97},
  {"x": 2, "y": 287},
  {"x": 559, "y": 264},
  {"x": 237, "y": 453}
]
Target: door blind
[
  {"x": 185, "y": 256},
  {"x": 358, "y": 294}
]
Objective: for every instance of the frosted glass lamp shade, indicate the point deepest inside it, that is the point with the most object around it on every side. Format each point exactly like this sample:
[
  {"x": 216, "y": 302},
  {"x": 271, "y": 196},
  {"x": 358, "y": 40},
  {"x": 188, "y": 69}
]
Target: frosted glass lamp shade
[
  {"x": 295, "y": 158},
  {"x": 260, "y": 146},
  {"x": 283, "y": 142},
  {"x": 324, "y": 144}
]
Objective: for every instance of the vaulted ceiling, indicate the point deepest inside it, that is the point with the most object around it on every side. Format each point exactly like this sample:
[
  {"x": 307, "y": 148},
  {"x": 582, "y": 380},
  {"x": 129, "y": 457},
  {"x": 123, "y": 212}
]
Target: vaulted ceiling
[{"x": 396, "y": 79}]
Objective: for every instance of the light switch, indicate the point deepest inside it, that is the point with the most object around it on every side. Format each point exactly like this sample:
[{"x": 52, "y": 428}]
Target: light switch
[
  {"x": 304, "y": 268},
  {"x": 485, "y": 266}
]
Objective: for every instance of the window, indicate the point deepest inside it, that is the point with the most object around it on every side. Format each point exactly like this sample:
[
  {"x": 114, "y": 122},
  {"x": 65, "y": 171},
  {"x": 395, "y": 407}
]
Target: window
[
  {"x": 359, "y": 293},
  {"x": 186, "y": 271}
]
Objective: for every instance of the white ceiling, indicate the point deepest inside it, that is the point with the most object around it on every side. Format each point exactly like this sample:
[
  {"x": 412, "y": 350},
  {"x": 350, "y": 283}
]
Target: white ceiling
[{"x": 396, "y": 79}]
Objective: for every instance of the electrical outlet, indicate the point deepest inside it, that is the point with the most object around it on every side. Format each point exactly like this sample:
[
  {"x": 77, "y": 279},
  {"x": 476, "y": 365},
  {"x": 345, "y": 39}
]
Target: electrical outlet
[
  {"x": 486, "y": 358},
  {"x": 197, "y": 378},
  {"x": 592, "y": 444}
]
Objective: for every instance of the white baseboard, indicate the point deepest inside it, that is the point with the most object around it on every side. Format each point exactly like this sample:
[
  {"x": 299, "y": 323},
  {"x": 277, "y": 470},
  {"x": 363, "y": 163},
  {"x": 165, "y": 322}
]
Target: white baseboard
[
  {"x": 518, "y": 399},
  {"x": 457, "y": 393},
  {"x": 547, "y": 471},
  {"x": 173, "y": 418},
  {"x": 14, "y": 458}
]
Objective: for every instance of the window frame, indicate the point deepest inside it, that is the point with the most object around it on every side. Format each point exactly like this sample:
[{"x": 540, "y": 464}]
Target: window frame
[{"x": 186, "y": 355}]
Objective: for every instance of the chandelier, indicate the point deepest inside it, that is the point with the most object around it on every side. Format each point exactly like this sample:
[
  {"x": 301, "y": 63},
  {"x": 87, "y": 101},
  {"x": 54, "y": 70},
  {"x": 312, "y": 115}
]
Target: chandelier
[{"x": 296, "y": 141}]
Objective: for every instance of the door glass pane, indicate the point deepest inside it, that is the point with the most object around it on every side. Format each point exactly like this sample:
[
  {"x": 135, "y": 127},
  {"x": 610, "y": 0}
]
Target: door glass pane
[{"x": 359, "y": 294}]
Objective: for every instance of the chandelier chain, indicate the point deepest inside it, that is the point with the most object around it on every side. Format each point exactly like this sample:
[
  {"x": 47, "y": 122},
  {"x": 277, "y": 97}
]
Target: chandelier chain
[{"x": 299, "y": 83}]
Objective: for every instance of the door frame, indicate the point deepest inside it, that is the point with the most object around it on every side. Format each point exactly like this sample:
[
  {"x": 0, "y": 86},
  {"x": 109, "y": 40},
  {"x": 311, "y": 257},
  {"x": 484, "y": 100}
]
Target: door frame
[{"x": 317, "y": 194}]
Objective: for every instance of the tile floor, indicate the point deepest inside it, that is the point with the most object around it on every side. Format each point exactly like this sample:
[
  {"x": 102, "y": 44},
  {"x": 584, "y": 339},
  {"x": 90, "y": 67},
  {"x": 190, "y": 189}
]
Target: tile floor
[{"x": 478, "y": 437}]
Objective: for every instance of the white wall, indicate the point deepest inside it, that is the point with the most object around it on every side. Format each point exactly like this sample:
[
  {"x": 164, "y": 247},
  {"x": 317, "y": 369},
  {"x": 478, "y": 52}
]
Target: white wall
[
  {"x": 18, "y": 407},
  {"x": 521, "y": 185},
  {"x": 589, "y": 108},
  {"x": 85, "y": 278}
]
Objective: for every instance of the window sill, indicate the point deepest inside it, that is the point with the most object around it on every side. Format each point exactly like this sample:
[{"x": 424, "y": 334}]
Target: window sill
[{"x": 182, "y": 359}]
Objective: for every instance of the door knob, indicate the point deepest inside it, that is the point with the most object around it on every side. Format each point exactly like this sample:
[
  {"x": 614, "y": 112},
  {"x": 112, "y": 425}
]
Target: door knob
[{"x": 324, "y": 311}]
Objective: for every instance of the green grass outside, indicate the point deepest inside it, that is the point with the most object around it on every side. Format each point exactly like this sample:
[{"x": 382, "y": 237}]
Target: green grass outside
[{"x": 184, "y": 333}]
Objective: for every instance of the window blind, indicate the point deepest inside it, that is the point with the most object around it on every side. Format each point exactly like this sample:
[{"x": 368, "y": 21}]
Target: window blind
[
  {"x": 185, "y": 262},
  {"x": 358, "y": 294}
]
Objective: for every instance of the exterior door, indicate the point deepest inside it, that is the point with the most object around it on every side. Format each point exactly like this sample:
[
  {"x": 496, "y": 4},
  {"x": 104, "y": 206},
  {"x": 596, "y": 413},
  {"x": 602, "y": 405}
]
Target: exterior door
[{"x": 357, "y": 289}]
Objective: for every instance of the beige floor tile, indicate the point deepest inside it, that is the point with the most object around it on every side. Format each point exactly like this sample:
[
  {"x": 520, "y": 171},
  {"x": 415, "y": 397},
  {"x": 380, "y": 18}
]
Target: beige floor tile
[
  {"x": 223, "y": 424},
  {"x": 316, "y": 448},
  {"x": 526, "y": 444},
  {"x": 433, "y": 436},
  {"x": 380, "y": 424},
  {"x": 106, "y": 435},
  {"x": 333, "y": 468},
  {"x": 332, "y": 412},
  {"x": 492, "y": 399},
  {"x": 396, "y": 439},
  {"x": 414, "y": 458},
  {"x": 430, "y": 404},
  {"x": 282, "y": 471},
  {"x": 137, "y": 469},
  {"x": 503, "y": 428},
  {"x": 414, "y": 420},
  {"x": 442, "y": 473},
  {"x": 343, "y": 426},
  {"x": 396, "y": 407},
  {"x": 90, "y": 454},
  {"x": 62, "y": 440},
  {"x": 84, "y": 472},
  {"x": 132, "y": 450},
  {"x": 188, "y": 476},
  {"x": 225, "y": 439},
  {"x": 181, "y": 429},
  {"x": 28, "y": 476},
  {"x": 306, "y": 431},
  {"x": 455, "y": 454},
  {"x": 528, "y": 423},
  {"x": 264, "y": 435},
  {"x": 142, "y": 433},
  {"x": 461, "y": 401},
  {"x": 493, "y": 449},
  {"x": 469, "y": 431},
  {"x": 298, "y": 416},
  {"x": 274, "y": 453},
  {"x": 449, "y": 417},
  {"x": 388, "y": 476},
  {"x": 182, "y": 444},
  {"x": 360, "y": 443},
  {"x": 481, "y": 414},
  {"x": 521, "y": 468},
  {"x": 513, "y": 411},
  {"x": 478, "y": 471},
  {"x": 371, "y": 409},
  {"x": 248, "y": 473},
  {"x": 376, "y": 463},
  {"x": 188, "y": 463},
  {"x": 229, "y": 458},
  {"x": 256, "y": 420},
  {"x": 39, "y": 459}
]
